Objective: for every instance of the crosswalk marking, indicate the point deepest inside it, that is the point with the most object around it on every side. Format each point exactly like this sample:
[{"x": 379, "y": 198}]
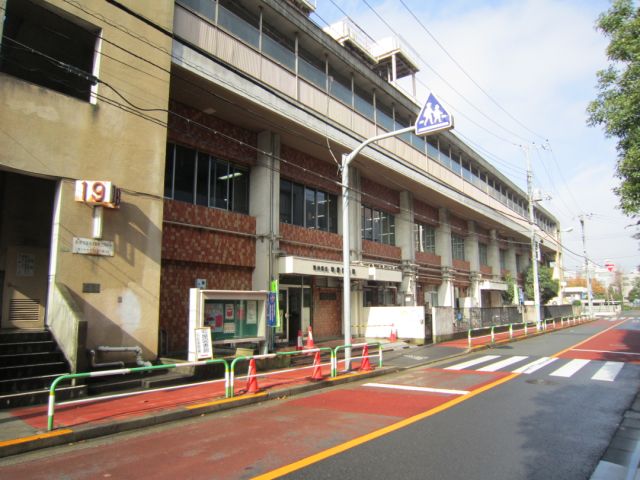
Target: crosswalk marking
[
  {"x": 608, "y": 372},
  {"x": 494, "y": 367},
  {"x": 570, "y": 368},
  {"x": 471, "y": 363},
  {"x": 535, "y": 365}
]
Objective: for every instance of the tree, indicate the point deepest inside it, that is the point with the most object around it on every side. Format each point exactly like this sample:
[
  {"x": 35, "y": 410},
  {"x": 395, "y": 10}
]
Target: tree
[
  {"x": 509, "y": 293},
  {"x": 634, "y": 293},
  {"x": 617, "y": 106},
  {"x": 597, "y": 288},
  {"x": 548, "y": 286}
]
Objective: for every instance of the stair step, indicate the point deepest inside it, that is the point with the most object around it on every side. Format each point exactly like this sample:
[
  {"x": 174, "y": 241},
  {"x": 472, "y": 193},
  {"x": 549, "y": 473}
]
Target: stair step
[
  {"x": 22, "y": 336},
  {"x": 21, "y": 371},
  {"x": 28, "y": 347},
  {"x": 23, "y": 384},
  {"x": 32, "y": 358},
  {"x": 41, "y": 396}
]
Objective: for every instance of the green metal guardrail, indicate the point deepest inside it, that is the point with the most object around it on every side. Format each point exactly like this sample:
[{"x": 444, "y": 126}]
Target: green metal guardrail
[
  {"x": 124, "y": 371},
  {"x": 334, "y": 368},
  {"x": 229, "y": 370},
  {"x": 273, "y": 355}
]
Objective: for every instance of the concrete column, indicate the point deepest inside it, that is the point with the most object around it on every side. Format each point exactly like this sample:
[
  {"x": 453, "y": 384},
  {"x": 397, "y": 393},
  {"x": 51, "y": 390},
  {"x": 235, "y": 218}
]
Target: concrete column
[
  {"x": 405, "y": 240},
  {"x": 493, "y": 254},
  {"x": 472, "y": 255},
  {"x": 443, "y": 248},
  {"x": 264, "y": 204},
  {"x": 510, "y": 260},
  {"x": 471, "y": 249}
]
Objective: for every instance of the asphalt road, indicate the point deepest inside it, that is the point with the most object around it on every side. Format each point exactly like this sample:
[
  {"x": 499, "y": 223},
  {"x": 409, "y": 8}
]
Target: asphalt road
[
  {"x": 535, "y": 426},
  {"x": 471, "y": 417}
]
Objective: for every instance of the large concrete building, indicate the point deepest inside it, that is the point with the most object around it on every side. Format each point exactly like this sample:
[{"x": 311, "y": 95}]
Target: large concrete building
[{"x": 222, "y": 125}]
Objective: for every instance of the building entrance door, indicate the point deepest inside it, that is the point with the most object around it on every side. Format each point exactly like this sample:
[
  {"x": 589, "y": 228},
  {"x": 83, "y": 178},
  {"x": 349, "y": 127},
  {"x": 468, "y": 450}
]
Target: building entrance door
[
  {"x": 26, "y": 212},
  {"x": 290, "y": 300}
]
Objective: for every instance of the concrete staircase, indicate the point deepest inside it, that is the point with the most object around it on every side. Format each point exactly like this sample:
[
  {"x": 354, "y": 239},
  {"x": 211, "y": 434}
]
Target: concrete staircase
[{"x": 29, "y": 362}]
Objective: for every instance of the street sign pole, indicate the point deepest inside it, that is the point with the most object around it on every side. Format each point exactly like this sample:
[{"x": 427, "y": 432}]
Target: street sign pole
[{"x": 433, "y": 118}]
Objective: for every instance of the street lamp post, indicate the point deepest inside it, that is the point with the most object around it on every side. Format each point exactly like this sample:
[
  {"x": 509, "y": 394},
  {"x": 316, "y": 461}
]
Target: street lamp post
[
  {"x": 346, "y": 238},
  {"x": 586, "y": 268},
  {"x": 534, "y": 244},
  {"x": 433, "y": 118}
]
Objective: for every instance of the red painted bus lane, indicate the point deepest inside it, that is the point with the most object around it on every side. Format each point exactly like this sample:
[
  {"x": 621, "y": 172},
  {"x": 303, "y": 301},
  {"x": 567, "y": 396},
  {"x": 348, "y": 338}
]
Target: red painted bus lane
[{"x": 620, "y": 343}]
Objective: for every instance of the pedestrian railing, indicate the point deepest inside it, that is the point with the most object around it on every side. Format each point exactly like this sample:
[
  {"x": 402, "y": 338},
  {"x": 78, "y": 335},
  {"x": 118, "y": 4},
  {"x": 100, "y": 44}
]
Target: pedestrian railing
[
  {"x": 306, "y": 352},
  {"x": 229, "y": 370},
  {"x": 543, "y": 325},
  {"x": 125, "y": 371},
  {"x": 334, "y": 368}
]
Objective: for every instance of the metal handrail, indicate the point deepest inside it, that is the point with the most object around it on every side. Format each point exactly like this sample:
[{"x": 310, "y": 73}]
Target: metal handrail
[
  {"x": 124, "y": 371},
  {"x": 334, "y": 368}
]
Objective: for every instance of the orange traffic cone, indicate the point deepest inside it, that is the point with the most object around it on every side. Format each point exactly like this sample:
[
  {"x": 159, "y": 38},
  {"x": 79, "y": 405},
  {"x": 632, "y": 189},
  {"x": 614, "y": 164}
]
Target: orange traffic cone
[
  {"x": 365, "y": 366},
  {"x": 252, "y": 379},
  {"x": 394, "y": 334},
  {"x": 299, "y": 345},
  {"x": 317, "y": 369},
  {"x": 310, "y": 343}
]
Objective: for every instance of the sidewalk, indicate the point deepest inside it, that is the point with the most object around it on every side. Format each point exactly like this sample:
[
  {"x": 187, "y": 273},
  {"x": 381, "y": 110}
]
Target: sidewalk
[{"x": 25, "y": 429}]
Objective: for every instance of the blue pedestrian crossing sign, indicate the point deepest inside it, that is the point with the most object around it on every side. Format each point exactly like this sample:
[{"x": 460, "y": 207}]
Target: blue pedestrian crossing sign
[{"x": 433, "y": 117}]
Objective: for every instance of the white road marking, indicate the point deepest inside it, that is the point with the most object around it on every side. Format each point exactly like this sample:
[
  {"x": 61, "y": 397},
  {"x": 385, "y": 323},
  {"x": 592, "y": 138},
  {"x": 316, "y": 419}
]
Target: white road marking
[
  {"x": 417, "y": 389},
  {"x": 608, "y": 372},
  {"x": 470, "y": 363},
  {"x": 502, "y": 363},
  {"x": 536, "y": 365},
  {"x": 604, "y": 351},
  {"x": 570, "y": 368}
]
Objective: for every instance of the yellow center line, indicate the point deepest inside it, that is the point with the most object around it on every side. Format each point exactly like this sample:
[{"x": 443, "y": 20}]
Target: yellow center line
[
  {"x": 557, "y": 355},
  {"x": 305, "y": 462},
  {"x": 40, "y": 436}
]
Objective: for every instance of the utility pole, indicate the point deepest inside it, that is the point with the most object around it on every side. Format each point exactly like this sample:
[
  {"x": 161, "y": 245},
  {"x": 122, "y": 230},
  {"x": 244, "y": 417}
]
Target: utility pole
[
  {"x": 534, "y": 243},
  {"x": 586, "y": 267}
]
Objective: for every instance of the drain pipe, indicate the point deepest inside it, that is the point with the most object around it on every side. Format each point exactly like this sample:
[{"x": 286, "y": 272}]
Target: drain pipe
[
  {"x": 94, "y": 364},
  {"x": 137, "y": 350}
]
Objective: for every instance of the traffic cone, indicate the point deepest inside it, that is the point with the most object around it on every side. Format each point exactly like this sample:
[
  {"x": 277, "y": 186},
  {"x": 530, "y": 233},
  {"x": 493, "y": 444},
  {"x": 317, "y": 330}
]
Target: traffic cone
[
  {"x": 252, "y": 379},
  {"x": 310, "y": 343},
  {"x": 317, "y": 369},
  {"x": 365, "y": 366},
  {"x": 394, "y": 334},
  {"x": 299, "y": 345}
]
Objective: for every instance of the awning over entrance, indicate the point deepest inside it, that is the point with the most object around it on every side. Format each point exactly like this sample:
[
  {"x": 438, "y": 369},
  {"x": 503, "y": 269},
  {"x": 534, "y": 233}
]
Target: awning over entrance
[{"x": 326, "y": 268}]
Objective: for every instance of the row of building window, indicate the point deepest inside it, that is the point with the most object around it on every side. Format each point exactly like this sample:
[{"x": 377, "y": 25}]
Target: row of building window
[{"x": 196, "y": 177}]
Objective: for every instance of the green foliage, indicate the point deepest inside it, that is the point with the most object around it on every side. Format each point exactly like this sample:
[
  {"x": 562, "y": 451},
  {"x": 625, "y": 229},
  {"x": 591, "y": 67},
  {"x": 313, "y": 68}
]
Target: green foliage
[
  {"x": 548, "y": 286},
  {"x": 576, "y": 303},
  {"x": 634, "y": 293},
  {"x": 507, "y": 296},
  {"x": 617, "y": 106}
]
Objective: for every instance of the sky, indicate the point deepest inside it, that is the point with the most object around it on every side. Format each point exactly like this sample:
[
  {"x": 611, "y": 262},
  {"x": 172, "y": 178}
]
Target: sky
[{"x": 518, "y": 76}]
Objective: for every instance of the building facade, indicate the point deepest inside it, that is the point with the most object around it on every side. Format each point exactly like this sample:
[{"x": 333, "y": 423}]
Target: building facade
[{"x": 223, "y": 124}]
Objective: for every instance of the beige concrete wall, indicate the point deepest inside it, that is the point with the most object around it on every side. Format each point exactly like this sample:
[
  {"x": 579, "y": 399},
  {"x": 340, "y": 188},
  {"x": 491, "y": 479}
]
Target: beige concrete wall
[{"x": 48, "y": 134}]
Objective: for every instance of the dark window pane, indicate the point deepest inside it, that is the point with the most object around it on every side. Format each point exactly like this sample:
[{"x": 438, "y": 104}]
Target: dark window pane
[
  {"x": 297, "y": 200},
  {"x": 310, "y": 208},
  {"x": 367, "y": 225},
  {"x": 241, "y": 191},
  {"x": 222, "y": 185},
  {"x": 168, "y": 171},
  {"x": 184, "y": 174},
  {"x": 202, "y": 180},
  {"x": 376, "y": 225},
  {"x": 322, "y": 220},
  {"x": 333, "y": 213},
  {"x": 33, "y": 33},
  {"x": 285, "y": 201}
]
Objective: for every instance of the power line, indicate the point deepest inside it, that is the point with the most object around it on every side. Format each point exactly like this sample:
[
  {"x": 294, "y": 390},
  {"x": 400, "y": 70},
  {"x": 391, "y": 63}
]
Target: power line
[{"x": 493, "y": 100}]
